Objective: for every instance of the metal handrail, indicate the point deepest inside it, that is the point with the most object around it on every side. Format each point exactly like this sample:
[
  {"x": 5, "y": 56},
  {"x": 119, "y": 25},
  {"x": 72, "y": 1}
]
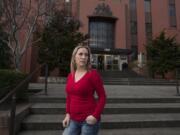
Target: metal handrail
[
  {"x": 177, "y": 82},
  {"x": 12, "y": 95},
  {"x": 20, "y": 84}
]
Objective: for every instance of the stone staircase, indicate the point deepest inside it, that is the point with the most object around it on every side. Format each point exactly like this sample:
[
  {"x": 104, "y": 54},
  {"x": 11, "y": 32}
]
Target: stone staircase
[
  {"x": 129, "y": 77},
  {"x": 123, "y": 115}
]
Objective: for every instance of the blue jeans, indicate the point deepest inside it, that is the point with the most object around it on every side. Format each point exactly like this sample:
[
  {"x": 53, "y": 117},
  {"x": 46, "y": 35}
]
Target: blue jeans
[{"x": 81, "y": 128}]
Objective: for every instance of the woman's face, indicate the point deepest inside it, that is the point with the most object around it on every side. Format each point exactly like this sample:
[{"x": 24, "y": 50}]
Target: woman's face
[{"x": 81, "y": 57}]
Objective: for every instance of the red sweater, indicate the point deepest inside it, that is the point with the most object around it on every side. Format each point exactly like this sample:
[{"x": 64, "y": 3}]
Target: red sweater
[{"x": 80, "y": 100}]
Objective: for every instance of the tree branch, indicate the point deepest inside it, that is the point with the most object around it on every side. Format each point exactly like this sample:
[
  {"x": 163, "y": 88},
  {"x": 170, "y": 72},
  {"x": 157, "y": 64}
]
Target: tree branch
[
  {"x": 10, "y": 46},
  {"x": 26, "y": 15},
  {"x": 29, "y": 35},
  {"x": 36, "y": 41}
]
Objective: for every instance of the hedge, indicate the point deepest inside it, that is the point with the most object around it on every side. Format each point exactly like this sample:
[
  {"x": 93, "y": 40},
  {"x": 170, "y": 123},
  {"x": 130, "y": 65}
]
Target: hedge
[{"x": 9, "y": 80}]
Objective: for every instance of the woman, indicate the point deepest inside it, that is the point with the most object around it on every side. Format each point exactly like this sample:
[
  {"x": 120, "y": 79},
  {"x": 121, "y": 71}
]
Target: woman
[{"x": 83, "y": 111}]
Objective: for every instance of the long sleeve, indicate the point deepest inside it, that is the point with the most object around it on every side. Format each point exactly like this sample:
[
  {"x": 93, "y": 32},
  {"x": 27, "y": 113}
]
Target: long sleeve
[
  {"x": 80, "y": 101},
  {"x": 99, "y": 88},
  {"x": 67, "y": 104}
]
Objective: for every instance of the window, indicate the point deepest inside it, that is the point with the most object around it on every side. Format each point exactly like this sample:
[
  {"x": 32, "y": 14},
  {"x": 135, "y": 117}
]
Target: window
[
  {"x": 147, "y": 9},
  {"x": 148, "y": 19},
  {"x": 147, "y": 5},
  {"x": 133, "y": 40},
  {"x": 68, "y": 7},
  {"x": 134, "y": 54},
  {"x": 101, "y": 33},
  {"x": 133, "y": 15},
  {"x": 172, "y": 13},
  {"x": 148, "y": 36},
  {"x": 52, "y": 1},
  {"x": 133, "y": 4},
  {"x": 148, "y": 28},
  {"x": 133, "y": 27},
  {"x": 171, "y": 1}
]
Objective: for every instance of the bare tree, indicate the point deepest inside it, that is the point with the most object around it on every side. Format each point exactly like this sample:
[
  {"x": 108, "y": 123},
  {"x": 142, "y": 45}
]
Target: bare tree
[{"x": 21, "y": 18}]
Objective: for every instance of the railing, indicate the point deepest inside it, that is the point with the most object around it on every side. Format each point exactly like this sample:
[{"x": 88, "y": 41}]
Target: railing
[
  {"x": 177, "y": 80},
  {"x": 12, "y": 95}
]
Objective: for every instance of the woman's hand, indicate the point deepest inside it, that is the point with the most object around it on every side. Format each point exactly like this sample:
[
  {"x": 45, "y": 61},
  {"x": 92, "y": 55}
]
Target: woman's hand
[
  {"x": 91, "y": 120},
  {"x": 66, "y": 120}
]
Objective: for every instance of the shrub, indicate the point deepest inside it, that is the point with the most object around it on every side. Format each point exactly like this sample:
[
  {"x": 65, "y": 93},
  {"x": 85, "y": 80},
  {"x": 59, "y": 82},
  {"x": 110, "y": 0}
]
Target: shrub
[{"x": 9, "y": 80}]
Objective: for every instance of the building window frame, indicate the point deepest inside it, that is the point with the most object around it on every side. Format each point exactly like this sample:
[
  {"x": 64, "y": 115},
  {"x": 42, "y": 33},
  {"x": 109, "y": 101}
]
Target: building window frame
[
  {"x": 133, "y": 28},
  {"x": 172, "y": 14},
  {"x": 102, "y": 33},
  {"x": 148, "y": 19}
]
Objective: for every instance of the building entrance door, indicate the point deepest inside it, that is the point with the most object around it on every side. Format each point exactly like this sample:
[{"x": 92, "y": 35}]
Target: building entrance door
[
  {"x": 105, "y": 62},
  {"x": 112, "y": 62},
  {"x": 101, "y": 62}
]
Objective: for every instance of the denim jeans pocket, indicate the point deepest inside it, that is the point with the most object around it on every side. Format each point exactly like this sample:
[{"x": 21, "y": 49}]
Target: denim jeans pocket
[{"x": 90, "y": 129}]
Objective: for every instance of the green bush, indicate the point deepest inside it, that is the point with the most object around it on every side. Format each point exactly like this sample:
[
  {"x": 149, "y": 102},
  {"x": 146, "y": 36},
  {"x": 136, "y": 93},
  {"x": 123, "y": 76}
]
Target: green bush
[{"x": 9, "y": 80}]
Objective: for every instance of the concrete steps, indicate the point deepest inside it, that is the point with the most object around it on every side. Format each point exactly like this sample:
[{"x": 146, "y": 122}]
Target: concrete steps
[
  {"x": 137, "y": 81},
  {"x": 142, "y": 131},
  {"x": 115, "y": 121},
  {"x": 110, "y": 108},
  {"x": 112, "y": 100},
  {"x": 129, "y": 77},
  {"x": 111, "y": 82},
  {"x": 130, "y": 110},
  {"x": 123, "y": 74},
  {"x": 48, "y": 116}
]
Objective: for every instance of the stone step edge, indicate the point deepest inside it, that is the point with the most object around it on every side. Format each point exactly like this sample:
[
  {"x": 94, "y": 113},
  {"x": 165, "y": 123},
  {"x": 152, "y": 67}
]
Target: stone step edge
[
  {"x": 112, "y": 100},
  {"x": 106, "y": 125},
  {"x": 129, "y": 131},
  {"x": 109, "y": 117},
  {"x": 110, "y": 105}
]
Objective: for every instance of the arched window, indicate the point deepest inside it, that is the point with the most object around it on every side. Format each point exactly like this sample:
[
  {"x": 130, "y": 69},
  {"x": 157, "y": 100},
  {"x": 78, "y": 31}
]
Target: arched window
[{"x": 102, "y": 33}]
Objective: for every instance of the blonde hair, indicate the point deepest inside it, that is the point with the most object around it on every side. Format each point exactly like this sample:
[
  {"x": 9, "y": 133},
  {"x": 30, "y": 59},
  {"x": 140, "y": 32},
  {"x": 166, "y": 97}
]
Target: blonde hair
[{"x": 73, "y": 63}]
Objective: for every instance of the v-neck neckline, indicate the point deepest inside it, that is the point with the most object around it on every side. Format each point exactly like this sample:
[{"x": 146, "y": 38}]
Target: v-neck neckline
[{"x": 80, "y": 78}]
